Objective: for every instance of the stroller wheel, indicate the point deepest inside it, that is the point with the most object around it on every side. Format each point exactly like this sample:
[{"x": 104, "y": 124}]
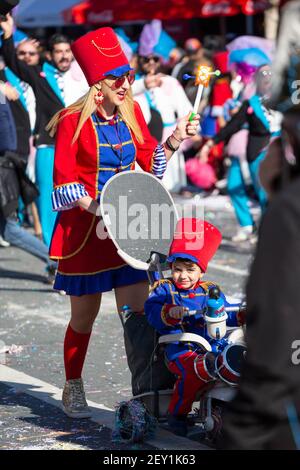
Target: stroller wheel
[
  {"x": 133, "y": 423},
  {"x": 215, "y": 427},
  {"x": 126, "y": 430}
]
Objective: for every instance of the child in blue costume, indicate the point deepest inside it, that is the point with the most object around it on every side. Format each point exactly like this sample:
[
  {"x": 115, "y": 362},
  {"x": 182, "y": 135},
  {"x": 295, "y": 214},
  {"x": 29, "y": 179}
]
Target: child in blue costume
[{"x": 195, "y": 243}]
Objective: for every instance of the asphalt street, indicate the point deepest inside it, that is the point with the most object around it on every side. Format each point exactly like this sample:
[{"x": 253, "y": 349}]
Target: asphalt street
[{"x": 33, "y": 319}]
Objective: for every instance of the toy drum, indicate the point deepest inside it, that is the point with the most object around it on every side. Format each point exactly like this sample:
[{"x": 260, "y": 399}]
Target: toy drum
[
  {"x": 229, "y": 363},
  {"x": 204, "y": 367}
]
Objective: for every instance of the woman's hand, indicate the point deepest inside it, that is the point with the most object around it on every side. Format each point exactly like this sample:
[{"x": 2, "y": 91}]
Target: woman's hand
[
  {"x": 186, "y": 128},
  {"x": 89, "y": 204}
]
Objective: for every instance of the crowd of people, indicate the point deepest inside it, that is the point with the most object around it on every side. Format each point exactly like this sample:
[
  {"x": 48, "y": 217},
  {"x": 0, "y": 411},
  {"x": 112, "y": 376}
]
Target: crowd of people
[
  {"x": 83, "y": 111},
  {"x": 236, "y": 122}
]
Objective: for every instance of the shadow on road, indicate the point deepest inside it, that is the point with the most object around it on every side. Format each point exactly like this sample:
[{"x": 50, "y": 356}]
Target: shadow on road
[
  {"x": 31, "y": 423},
  {"x": 5, "y": 273}
]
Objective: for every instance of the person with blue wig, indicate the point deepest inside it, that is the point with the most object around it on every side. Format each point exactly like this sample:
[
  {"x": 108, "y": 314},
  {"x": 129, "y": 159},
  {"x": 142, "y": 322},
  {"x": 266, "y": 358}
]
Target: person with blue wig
[
  {"x": 161, "y": 97},
  {"x": 263, "y": 124}
]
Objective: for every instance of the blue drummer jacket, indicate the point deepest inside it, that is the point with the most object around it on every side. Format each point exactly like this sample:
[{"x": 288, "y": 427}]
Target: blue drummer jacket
[{"x": 164, "y": 295}]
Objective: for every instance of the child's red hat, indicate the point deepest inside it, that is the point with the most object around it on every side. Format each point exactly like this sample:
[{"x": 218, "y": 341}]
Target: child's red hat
[
  {"x": 99, "y": 54},
  {"x": 195, "y": 240}
]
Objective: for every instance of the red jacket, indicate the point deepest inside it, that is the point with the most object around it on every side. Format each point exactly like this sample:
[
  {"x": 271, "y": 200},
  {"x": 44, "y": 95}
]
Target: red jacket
[{"x": 78, "y": 163}]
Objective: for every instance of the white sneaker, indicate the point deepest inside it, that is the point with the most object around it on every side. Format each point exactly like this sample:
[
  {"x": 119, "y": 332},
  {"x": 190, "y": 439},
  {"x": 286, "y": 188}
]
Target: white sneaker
[
  {"x": 73, "y": 399},
  {"x": 3, "y": 242},
  {"x": 60, "y": 292},
  {"x": 244, "y": 234}
]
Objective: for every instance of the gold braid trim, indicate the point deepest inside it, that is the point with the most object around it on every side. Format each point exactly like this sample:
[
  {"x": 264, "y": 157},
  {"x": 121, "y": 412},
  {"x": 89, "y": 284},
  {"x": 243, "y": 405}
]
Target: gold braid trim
[
  {"x": 101, "y": 49},
  {"x": 160, "y": 282},
  {"x": 163, "y": 315},
  {"x": 207, "y": 284}
]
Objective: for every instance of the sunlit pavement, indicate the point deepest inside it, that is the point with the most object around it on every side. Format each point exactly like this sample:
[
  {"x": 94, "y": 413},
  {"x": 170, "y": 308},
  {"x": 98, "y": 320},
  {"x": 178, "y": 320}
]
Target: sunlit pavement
[{"x": 32, "y": 326}]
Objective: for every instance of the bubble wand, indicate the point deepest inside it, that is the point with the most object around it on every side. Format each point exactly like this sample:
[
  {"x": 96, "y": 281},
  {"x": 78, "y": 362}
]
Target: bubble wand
[{"x": 202, "y": 79}]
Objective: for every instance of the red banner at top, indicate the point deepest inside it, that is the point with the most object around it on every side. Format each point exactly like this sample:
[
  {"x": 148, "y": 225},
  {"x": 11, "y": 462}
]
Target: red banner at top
[
  {"x": 110, "y": 11},
  {"x": 219, "y": 8},
  {"x": 251, "y": 7}
]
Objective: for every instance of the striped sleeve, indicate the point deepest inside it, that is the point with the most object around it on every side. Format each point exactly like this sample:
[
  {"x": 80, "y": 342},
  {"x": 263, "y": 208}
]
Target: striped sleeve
[
  {"x": 159, "y": 164},
  {"x": 65, "y": 197}
]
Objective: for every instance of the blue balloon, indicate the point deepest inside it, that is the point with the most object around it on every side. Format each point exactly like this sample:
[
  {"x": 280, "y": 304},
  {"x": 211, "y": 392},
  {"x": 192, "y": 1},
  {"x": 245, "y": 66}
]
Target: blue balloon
[
  {"x": 123, "y": 35},
  {"x": 165, "y": 45},
  {"x": 252, "y": 56}
]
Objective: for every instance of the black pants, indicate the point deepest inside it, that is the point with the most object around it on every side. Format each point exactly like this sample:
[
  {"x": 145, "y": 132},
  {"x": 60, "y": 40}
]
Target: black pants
[{"x": 260, "y": 434}]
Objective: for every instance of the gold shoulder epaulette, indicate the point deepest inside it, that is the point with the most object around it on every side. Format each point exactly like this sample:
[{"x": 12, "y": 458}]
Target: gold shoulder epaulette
[
  {"x": 160, "y": 282},
  {"x": 207, "y": 284}
]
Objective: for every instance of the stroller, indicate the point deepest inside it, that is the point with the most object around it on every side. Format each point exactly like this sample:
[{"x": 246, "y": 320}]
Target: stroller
[{"x": 152, "y": 382}]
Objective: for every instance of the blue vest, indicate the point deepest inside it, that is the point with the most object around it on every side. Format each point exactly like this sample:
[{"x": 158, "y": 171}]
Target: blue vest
[{"x": 116, "y": 148}]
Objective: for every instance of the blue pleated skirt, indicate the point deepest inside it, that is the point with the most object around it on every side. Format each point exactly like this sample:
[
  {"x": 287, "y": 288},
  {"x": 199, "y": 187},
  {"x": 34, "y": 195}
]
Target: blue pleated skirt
[{"x": 99, "y": 282}]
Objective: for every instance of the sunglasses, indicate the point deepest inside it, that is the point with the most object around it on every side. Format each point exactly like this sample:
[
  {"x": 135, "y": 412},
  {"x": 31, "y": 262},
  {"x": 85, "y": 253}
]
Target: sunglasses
[
  {"x": 23, "y": 53},
  {"x": 119, "y": 81},
  {"x": 155, "y": 59}
]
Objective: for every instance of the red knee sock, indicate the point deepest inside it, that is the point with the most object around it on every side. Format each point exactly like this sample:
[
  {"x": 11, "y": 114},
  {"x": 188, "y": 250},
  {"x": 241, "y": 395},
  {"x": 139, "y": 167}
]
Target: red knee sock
[{"x": 75, "y": 347}]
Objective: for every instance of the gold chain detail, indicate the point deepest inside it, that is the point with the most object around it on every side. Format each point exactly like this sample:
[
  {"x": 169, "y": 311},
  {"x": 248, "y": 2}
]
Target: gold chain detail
[{"x": 100, "y": 49}]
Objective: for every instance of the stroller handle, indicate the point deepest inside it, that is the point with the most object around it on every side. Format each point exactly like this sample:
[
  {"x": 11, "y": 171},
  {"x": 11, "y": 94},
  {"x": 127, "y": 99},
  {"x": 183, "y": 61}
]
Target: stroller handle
[
  {"x": 191, "y": 313},
  {"x": 185, "y": 337}
]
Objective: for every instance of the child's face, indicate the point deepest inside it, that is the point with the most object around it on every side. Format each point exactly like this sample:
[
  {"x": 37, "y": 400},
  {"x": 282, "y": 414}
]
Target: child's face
[{"x": 186, "y": 274}]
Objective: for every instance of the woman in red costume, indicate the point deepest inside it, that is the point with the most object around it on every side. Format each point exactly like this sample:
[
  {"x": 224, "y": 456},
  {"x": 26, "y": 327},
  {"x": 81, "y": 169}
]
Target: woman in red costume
[{"x": 101, "y": 134}]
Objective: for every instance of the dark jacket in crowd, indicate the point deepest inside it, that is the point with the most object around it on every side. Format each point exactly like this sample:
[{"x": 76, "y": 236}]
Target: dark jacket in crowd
[
  {"x": 265, "y": 413},
  {"x": 259, "y": 135},
  {"x": 14, "y": 183},
  {"x": 22, "y": 126},
  {"x": 47, "y": 102},
  {"x": 8, "y": 135}
]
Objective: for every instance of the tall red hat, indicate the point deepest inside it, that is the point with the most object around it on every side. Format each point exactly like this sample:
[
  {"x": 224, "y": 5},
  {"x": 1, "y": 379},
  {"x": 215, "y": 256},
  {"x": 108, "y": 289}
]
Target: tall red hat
[
  {"x": 99, "y": 54},
  {"x": 221, "y": 61},
  {"x": 195, "y": 240}
]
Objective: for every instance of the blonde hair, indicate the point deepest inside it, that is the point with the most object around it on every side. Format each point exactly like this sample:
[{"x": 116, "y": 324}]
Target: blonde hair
[{"x": 86, "y": 107}]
